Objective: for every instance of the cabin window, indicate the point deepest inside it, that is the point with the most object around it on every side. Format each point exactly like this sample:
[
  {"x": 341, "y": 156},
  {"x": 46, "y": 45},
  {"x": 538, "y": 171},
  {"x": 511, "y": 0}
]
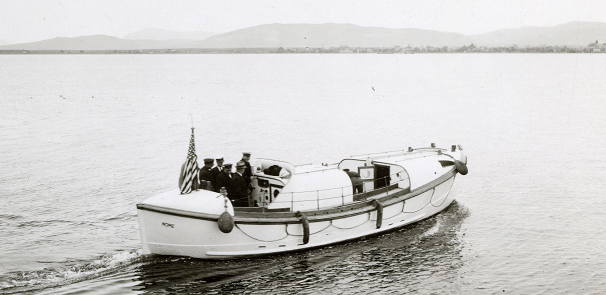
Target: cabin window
[{"x": 263, "y": 182}]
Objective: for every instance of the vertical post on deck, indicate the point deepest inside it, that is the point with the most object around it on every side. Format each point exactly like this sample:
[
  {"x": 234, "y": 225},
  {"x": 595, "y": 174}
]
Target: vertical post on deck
[
  {"x": 386, "y": 187},
  {"x": 318, "y": 199}
]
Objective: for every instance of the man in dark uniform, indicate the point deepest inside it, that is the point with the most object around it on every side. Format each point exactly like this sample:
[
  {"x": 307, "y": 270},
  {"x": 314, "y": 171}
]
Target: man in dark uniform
[
  {"x": 205, "y": 176},
  {"x": 239, "y": 197},
  {"x": 248, "y": 171},
  {"x": 356, "y": 182},
  {"x": 215, "y": 171},
  {"x": 224, "y": 179}
]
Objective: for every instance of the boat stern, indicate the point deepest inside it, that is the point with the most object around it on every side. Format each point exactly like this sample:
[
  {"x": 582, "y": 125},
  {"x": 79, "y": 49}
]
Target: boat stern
[{"x": 175, "y": 224}]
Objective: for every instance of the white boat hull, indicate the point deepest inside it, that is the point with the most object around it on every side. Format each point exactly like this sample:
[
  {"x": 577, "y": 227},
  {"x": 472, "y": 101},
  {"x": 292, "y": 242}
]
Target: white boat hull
[{"x": 178, "y": 233}]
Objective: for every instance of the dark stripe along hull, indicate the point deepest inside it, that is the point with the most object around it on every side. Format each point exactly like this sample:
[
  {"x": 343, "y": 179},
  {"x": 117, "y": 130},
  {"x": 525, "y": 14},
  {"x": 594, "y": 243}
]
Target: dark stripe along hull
[{"x": 261, "y": 233}]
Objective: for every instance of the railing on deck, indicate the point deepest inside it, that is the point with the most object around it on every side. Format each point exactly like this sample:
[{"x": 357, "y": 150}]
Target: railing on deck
[{"x": 363, "y": 196}]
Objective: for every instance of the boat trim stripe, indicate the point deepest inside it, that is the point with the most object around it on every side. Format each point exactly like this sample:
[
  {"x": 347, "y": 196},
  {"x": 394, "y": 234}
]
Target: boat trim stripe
[{"x": 328, "y": 214}]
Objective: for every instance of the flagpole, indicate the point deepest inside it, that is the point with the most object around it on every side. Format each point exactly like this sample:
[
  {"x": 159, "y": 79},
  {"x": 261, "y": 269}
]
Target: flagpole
[{"x": 188, "y": 178}]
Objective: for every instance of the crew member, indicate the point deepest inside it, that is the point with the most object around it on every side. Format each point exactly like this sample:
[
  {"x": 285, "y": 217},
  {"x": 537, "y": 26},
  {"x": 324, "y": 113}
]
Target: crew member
[
  {"x": 206, "y": 178},
  {"x": 215, "y": 171},
  {"x": 239, "y": 195},
  {"x": 356, "y": 181},
  {"x": 224, "y": 179},
  {"x": 248, "y": 170}
]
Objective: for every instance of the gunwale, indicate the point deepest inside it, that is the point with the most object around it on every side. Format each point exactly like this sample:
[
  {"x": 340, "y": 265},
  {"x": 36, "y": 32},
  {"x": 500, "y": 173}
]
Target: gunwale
[{"x": 392, "y": 196}]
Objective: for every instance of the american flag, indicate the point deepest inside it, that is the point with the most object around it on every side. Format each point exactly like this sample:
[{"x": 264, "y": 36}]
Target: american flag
[{"x": 188, "y": 180}]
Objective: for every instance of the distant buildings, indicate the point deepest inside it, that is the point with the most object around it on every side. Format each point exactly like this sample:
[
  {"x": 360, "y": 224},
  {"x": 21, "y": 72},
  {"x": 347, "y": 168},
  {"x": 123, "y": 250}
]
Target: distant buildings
[
  {"x": 594, "y": 47},
  {"x": 597, "y": 47}
]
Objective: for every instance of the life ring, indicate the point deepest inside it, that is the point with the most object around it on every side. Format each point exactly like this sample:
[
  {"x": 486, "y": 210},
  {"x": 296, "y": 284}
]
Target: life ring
[{"x": 461, "y": 167}]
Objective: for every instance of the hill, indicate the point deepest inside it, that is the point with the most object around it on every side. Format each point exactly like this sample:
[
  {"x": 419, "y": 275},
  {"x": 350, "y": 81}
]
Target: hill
[
  {"x": 326, "y": 35},
  {"x": 97, "y": 42},
  {"x": 570, "y": 34},
  {"x": 161, "y": 34}
]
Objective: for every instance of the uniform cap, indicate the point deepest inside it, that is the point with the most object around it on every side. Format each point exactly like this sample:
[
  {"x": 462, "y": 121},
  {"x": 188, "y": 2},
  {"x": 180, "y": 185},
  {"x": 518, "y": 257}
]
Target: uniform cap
[
  {"x": 246, "y": 154},
  {"x": 227, "y": 166},
  {"x": 219, "y": 158},
  {"x": 209, "y": 160}
]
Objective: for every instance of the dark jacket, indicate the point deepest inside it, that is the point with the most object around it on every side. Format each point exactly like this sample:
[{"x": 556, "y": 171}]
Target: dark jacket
[
  {"x": 239, "y": 195},
  {"x": 247, "y": 172},
  {"x": 224, "y": 180},
  {"x": 356, "y": 182},
  {"x": 204, "y": 175},
  {"x": 214, "y": 172}
]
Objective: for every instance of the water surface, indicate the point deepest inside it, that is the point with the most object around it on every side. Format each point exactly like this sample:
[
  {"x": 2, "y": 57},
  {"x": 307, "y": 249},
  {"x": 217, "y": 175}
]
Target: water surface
[{"x": 86, "y": 137}]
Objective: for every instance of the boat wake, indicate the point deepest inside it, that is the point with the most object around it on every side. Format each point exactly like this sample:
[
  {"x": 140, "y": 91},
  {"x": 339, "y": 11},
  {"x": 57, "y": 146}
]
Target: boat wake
[
  {"x": 408, "y": 251},
  {"x": 433, "y": 230},
  {"x": 72, "y": 272},
  {"x": 412, "y": 250}
]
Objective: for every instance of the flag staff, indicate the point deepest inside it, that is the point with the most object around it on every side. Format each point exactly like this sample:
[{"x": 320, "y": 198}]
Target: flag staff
[{"x": 188, "y": 178}]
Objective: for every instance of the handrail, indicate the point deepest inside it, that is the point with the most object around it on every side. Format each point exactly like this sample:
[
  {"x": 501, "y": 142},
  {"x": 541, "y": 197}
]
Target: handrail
[
  {"x": 316, "y": 199},
  {"x": 341, "y": 187},
  {"x": 372, "y": 154},
  {"x": 343, "y": 194},
  {"x": 326, "y": 168},
  {"x": 412, "y": 158},
  {"x": 398, "y": 151}
]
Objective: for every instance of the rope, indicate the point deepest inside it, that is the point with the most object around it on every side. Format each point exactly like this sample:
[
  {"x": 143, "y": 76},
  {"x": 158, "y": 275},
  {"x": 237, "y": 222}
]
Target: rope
[
  {"x": 433, "y": 191},
  {"x": 449, "y": 189},
  {"x": 401, "y": 211},
  {"x": 329, "y": 224},
  {"x": 367, "y": 219},
  {"x": 286, "y": 232}
]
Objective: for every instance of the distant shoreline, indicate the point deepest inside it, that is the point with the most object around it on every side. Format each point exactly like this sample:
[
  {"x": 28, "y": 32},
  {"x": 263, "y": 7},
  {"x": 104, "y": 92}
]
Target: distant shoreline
[{"x": 340, "y": 50}]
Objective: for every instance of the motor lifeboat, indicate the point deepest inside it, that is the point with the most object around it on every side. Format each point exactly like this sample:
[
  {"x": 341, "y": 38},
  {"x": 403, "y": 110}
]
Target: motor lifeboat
[{"x": 297, "y": 207}]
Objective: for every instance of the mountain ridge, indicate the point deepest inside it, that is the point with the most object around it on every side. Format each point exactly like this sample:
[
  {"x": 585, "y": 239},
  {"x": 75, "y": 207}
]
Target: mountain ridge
[
  {"x": 568, "y": 34},
  {"x": 162, "y": 34},
  {"x": 97, "y": 42},
  {"x": 328, "y": 35}
]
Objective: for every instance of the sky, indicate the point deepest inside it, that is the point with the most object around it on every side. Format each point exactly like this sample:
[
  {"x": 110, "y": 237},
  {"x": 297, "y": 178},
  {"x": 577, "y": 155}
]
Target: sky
[{"x": 33, "y": 20}]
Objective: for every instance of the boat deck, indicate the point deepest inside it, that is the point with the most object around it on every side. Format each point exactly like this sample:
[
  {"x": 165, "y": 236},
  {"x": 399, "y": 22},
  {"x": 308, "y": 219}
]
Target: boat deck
[{"x": 399, "y": 156}]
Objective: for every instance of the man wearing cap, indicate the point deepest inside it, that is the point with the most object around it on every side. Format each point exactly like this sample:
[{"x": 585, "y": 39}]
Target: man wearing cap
[
  {"x": 205, "y": 176},
  {"x": 239, "y": 195},
  {"x": 248, "y": 171},
  {"x": 224, "y": 179},
  {"x": 215, "y": 171}
]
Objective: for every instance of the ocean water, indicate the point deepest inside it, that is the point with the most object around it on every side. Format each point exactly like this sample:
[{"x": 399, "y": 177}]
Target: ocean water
[{"x": 83, "y": 138}]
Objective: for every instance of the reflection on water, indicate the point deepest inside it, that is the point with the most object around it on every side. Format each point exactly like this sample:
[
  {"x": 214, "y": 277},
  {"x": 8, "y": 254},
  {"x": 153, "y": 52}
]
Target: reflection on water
[
  {"x": 427, "y": 252},
  {"x": 419, "y": 258},
  {"x": 80, "y": 149}
]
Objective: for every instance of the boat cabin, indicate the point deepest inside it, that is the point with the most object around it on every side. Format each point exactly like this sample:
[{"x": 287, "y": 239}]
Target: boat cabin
[{"x": 283, "y": 186}]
